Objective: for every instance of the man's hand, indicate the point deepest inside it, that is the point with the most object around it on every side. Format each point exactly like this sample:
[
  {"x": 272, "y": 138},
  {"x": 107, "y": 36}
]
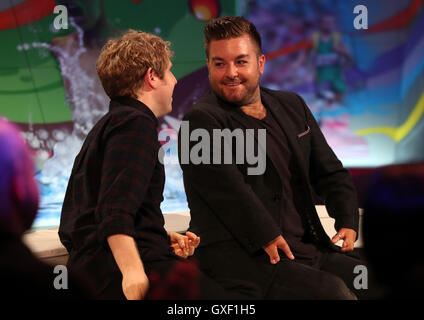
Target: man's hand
[
  {"x": 348, "y": 236},
  {"x": 272, "y": 249},
  {"x": 193, "y": 242},
  {"x": 135, "y": 285},
  {"x": 184, "y": 246}
]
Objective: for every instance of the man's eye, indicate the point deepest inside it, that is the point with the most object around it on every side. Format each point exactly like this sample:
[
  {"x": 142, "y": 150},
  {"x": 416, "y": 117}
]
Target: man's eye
[
  {"x": 241, "y": 62},
  {"x": 219, "y": 64}
]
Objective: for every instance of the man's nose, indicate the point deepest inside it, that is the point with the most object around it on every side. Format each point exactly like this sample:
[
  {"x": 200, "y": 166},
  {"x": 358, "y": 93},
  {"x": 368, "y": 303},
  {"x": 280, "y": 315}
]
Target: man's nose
[{"x": 231, "y": 71}]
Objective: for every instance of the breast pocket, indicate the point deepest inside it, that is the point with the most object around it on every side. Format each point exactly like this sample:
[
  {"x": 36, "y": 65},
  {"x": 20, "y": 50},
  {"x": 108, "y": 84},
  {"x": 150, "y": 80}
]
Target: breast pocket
[
  {"x": 304, "y": 140},
  {"x": 304, "y": 133}
]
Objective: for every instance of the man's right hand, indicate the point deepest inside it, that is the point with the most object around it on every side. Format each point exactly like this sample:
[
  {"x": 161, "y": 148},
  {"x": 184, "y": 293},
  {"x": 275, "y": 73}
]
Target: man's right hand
[
  {"x": 135, "y": 285},
  {"x": 272, "y": 249}
]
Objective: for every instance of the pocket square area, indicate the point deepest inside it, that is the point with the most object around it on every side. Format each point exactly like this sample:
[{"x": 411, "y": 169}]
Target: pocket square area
[{"x": 300, "y": 135}]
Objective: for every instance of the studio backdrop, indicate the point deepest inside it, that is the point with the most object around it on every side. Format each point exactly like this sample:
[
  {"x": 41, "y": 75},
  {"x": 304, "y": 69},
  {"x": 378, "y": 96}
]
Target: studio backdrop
[{"x": 359, "y": 65}]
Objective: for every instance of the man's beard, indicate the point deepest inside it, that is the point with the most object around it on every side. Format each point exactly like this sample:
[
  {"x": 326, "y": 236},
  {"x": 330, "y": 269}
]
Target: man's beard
[{"x": 247, "y": 95}]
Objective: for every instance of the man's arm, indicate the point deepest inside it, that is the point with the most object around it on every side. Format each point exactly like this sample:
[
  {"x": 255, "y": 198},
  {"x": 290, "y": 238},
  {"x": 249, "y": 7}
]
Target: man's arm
[
  {"x": 332, "y": 182},
  {"x": 129, "y": 158},
  {"x": 134, "y": 280}
]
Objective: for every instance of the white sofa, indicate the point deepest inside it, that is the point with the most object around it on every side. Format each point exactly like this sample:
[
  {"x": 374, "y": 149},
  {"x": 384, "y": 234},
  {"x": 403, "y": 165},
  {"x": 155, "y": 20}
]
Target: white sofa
[{"x": 45, "y": 244}]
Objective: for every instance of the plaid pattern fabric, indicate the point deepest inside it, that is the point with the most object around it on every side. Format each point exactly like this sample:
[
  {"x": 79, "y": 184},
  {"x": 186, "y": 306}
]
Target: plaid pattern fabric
[{"x": 116, "y": 186}]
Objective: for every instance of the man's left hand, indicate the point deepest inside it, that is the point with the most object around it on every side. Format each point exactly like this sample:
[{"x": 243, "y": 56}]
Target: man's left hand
[
  {"x": 348, "y": 236},
  {"x": 184, "y": 246}
]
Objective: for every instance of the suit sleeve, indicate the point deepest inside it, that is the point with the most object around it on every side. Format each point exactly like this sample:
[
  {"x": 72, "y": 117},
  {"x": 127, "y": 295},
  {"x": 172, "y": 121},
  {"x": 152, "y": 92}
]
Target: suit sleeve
[
  {"x": 225, "y": 193},
  {"x": 330, "y": 180}
]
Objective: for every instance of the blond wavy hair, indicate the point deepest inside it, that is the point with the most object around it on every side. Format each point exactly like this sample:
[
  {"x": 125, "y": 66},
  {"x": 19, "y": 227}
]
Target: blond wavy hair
[{"x": 123, "y": 62}]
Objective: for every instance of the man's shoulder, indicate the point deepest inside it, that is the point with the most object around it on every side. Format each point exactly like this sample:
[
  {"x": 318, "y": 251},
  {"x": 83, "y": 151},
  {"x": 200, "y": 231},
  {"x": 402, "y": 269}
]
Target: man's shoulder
[
  {"x": 207, "y": 105},
  {"x": 283, "y": 96},
  {"x": 290, "y": 101},
  {"x": 208, "y": 102},
  {"x": 122, "y": 119}
]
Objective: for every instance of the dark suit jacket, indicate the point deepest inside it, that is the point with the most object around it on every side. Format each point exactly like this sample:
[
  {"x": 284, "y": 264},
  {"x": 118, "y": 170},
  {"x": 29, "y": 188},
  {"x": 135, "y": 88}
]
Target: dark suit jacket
[{"x": 227, "y": 204}]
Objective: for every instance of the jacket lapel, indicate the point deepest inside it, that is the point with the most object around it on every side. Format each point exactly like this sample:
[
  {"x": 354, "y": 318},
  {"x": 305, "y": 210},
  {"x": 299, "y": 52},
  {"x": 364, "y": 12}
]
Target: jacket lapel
[
  {"x": 237, "y": 115},
  {"x": 276, "y": 107},
  {"x": 278, "y": 110}
]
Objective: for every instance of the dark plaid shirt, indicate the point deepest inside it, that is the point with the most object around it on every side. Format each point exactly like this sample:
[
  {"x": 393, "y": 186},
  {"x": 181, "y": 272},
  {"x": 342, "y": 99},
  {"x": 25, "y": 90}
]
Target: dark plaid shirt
[{"x": 116, "y": 187}]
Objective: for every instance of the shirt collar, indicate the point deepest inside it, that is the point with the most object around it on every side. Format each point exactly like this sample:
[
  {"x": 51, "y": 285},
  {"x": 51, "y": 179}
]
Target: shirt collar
[{"x": 116, "y": 102}]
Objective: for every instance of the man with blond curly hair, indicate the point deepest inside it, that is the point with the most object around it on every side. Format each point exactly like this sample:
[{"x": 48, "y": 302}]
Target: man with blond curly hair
[{"x": 111, "y": 222}]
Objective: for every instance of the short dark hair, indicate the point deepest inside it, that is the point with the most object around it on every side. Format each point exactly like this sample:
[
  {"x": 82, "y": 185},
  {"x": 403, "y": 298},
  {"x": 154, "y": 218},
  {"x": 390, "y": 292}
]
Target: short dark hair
[{"x": 230, "y": 27}]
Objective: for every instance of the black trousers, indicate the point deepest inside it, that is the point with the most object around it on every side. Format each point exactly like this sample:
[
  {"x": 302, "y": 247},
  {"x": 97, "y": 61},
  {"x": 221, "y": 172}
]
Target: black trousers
[
  {"x": 163, "y": 273},
  {"x": 331, "y": 277}
]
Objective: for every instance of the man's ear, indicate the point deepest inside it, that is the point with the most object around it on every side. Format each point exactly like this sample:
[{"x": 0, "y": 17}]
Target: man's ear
[
  {"x": 151, "y": 79},
  {"x": 261, "y": 62},
  {"x": 209, "y": 70}
]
